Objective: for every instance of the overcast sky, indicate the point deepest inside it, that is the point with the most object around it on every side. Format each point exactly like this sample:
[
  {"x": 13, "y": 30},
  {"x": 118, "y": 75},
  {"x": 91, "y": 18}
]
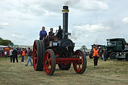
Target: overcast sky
[{"x": 90, "y": 21}]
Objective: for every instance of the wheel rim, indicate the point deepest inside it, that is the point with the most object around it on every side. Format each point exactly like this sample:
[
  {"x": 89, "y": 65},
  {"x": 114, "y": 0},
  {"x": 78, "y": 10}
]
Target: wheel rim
[
  {"x": 78, "y": 67},
  {"x": 35, "y": 55},
  {"x": 48, "y": 62}
]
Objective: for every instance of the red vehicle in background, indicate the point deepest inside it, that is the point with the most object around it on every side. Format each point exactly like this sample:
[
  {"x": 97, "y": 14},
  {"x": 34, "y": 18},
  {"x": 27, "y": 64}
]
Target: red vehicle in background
[{"x": 3, "y": 49}]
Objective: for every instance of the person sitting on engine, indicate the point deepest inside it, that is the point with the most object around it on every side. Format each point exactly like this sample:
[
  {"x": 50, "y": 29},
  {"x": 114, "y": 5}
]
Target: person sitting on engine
[
  {"x": 51, "y": 35},
  {"x": 43, "y": 33}
]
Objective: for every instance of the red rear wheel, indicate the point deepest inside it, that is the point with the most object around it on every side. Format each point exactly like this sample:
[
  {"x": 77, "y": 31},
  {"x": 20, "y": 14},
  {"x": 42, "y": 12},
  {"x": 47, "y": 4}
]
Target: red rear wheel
[
  {"x": 80, "y": 66},
  {"x": 49, "y": 62},
  {"x": 38, "y": 53},
  {"x": 35, "y": 55}
]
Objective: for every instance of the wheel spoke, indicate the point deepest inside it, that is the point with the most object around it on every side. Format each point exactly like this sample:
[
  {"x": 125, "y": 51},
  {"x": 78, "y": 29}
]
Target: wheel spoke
[
  {"x": 35, "y": 58},
  {"x": 79, "y": 67},
  {"x": 49, "y": 62},
  {"x": 35, "y": 55}
]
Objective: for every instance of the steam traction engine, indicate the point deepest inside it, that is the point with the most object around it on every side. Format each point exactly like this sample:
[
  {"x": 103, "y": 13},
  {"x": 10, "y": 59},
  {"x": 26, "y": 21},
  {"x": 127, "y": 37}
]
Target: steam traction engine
[{"x": 60, "y": 51}]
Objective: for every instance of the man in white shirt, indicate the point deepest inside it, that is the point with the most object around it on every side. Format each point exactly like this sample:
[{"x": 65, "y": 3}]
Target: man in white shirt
[{"x": 10, "y": 54}]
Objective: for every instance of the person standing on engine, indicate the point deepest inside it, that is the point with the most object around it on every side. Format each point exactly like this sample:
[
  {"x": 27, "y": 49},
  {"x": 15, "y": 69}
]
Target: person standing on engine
[
  {"x": 11, "y": 56},
  {"x": 22, "y": 54},
  {"x": 43, "y": 33},
  {"x": 96, "y": 55},
  {"x": 59, "y": 33},
  {"x": 29, "y": 57}
]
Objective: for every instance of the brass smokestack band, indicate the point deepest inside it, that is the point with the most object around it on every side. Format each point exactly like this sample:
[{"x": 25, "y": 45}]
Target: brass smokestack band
[{"x": 65, "y": 10}]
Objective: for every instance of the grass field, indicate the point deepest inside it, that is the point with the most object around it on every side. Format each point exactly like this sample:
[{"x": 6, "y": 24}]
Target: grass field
[{"x": 112, "y": 72}]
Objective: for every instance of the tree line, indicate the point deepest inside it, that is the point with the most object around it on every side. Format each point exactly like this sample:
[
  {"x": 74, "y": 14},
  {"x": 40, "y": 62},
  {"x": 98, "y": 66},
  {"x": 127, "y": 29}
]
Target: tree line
[{"x": 5, "y": 42}]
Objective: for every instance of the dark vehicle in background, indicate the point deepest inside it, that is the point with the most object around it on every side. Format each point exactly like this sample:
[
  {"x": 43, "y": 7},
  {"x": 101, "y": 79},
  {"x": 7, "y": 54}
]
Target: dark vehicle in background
[{"x": 117, "y": 48}]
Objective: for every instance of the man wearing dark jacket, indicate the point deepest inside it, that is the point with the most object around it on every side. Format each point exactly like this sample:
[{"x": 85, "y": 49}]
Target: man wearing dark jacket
[
  {"x": 51, "y": 34},
  {"x": 59, "y": 33},
  {"x": 14, "y": 53},
  {"x": 29, "y": 57}
]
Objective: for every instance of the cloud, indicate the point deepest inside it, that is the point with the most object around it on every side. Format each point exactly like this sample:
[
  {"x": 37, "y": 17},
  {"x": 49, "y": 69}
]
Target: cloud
[
  {"x": 125, "y": 20},
  {"x": 71, "y": 2},
  {"x": 50, "y": 14},
  {"x": 88, "y": 5},
  {"x": 92, "y": 28},
  {"x": 18, "y": 36},
  {"x": 51, "y": 7},
  {"x": 36, "y": 8},
  {"x": 3, "y": 25},
  {"x": 22, "y": 39}
]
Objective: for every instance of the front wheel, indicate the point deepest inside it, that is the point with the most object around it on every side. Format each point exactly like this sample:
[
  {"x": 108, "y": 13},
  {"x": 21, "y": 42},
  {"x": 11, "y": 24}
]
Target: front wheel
[
  {"x": 49, "y": 62},
  {"x": 112, "y": 55},
  {"x": 80, "y": 66}
]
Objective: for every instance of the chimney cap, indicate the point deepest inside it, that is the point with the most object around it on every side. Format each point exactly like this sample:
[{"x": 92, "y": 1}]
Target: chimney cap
[{"x": 65, "y": 7}]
